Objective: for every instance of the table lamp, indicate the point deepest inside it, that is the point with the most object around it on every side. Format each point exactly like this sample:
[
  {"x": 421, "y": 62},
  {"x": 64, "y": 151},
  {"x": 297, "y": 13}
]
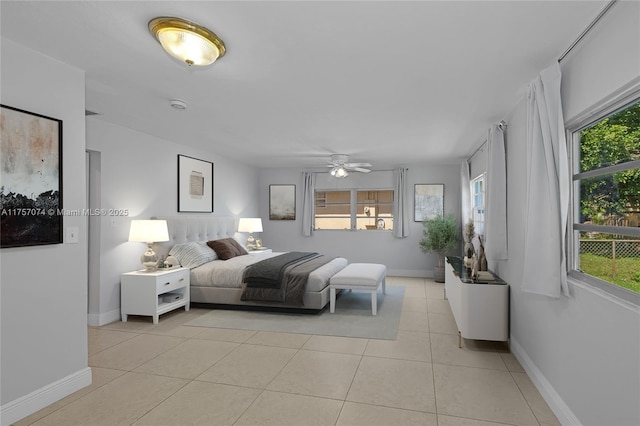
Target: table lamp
[
  {"x": 149, "y": 231},
  {"x": 250, "y": 225}
]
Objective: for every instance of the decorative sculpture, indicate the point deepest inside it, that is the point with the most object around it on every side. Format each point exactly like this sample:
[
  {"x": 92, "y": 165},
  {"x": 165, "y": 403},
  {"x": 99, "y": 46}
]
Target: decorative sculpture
[
  {"x": 469, "y": 249},
  {"x": 474, "y": 268},
  {"x": 482, "y": 259}
]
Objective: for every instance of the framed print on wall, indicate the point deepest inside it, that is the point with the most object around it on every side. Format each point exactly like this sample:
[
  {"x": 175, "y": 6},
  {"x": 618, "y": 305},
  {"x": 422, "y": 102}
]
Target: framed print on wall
[
  {"x": 282, "y": 202},
  {"x": 30, "y": 178},
  {"x": 195, "y": 185},
  {"x": 428, "y": 201}
]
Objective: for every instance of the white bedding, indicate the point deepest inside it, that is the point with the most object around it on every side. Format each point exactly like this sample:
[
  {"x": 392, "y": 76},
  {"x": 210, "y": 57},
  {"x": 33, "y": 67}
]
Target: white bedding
[{"x": 228, "y": 273}]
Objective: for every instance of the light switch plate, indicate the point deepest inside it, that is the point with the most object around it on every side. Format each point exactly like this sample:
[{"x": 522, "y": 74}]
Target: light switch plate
[{"x": 72, "y": 234}]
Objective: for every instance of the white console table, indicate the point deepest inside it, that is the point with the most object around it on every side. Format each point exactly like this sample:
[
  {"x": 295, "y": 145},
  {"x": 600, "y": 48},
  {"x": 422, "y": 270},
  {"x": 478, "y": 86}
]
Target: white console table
[{"x": 480, "y": 309}]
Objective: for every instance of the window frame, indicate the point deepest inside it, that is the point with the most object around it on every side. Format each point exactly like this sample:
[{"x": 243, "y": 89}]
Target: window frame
[
  {"x": 353, "y": 225},
  {"x": 327, "y": 204},
  {"x": 616, "y": 102},
  {"x": 481, "y": 177}
]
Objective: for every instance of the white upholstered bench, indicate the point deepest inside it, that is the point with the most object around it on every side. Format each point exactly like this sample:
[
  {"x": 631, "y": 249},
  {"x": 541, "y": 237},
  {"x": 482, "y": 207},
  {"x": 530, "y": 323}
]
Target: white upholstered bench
[{"x": 359, "y": 276}]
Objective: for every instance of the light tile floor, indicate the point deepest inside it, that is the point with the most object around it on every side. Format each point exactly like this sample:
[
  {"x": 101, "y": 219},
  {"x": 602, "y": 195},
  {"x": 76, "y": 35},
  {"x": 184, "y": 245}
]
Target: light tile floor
[{"x": 171, "y": 374}]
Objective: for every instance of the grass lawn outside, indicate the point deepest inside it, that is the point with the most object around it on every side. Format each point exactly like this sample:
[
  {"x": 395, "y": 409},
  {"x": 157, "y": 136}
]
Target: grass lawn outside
[{"x": 627, "y": 270}]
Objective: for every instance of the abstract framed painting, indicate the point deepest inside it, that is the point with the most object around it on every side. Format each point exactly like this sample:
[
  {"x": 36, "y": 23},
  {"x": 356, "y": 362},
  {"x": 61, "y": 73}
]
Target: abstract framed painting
[
  {"x": 282, "y": 202},
  {"x": 428, "y": 201},
  {"x": 195, "y": 185},
  {"x": 30, "y": 178}
]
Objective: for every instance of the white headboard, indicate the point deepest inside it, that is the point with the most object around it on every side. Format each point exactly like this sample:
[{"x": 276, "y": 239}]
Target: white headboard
[{"x": 184, "y": 229}]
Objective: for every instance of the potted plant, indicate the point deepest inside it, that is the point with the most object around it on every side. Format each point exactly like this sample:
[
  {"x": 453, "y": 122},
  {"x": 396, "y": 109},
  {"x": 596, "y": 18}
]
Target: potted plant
[{"x": 440, "y": 235}]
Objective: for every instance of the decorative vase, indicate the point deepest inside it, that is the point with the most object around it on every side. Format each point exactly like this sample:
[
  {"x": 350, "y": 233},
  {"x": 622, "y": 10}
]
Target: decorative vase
[{"x": 469, "y": 252}]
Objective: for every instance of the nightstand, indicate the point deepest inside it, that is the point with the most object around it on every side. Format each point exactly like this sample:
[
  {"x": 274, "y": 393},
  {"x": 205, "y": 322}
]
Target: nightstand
[
  {"x": 258, "y": 251},
  {"x": 154, "y": 293}
]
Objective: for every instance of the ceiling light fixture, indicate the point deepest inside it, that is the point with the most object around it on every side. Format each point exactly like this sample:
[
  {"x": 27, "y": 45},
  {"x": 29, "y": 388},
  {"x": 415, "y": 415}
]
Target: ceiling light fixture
[
  {"x": 187, "y": 41},
  {"x": 339, "y": 172}
]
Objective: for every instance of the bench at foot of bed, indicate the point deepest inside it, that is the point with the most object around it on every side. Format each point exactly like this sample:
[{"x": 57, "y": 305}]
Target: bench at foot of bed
[{"x": 359, "y": 276}]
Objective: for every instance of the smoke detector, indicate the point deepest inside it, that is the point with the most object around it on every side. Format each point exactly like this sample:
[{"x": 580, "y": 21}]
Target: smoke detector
[{"x": 178, "y": 104}]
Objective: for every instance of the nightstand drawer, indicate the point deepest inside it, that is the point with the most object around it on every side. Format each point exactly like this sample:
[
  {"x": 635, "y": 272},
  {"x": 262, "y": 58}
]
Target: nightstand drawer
[{"x": 171, "y": 282}]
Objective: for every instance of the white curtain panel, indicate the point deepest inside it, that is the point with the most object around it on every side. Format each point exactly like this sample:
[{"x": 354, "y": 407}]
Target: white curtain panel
[
  {"x": 401, "y": 204},
  {"x": 465, "y": 190},
  {"x": 308, "y": 202},
  {"x": 548, "y": 185},
  {"x": 496, "y": 205}
]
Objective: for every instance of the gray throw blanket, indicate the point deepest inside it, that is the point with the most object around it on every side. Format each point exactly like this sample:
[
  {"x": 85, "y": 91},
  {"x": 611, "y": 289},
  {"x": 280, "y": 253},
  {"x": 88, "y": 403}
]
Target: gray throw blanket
[
  {"x": 268, "y": 273},
  {"x": 293, "y": 285}
]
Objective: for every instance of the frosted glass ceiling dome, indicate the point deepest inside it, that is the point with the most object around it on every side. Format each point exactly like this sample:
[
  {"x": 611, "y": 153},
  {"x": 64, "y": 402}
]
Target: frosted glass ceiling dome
[{"x": 187, "y": 41}]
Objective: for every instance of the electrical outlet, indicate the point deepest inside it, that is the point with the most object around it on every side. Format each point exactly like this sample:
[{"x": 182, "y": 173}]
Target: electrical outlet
[{"x": 72, "y": 234}]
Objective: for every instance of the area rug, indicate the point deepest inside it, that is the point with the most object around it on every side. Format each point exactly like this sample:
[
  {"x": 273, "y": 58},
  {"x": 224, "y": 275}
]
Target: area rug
[{"x": 352, "y": 318}]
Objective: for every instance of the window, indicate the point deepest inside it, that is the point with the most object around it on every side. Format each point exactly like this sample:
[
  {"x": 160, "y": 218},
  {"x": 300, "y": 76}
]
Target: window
[
  {"x": 333, "y": 210},
  {"x": 374, "y": 210},
  {"x": 478, "y": 188},
  {"x": 354, "y": 209},
  {"x": 606, "y": 202}
]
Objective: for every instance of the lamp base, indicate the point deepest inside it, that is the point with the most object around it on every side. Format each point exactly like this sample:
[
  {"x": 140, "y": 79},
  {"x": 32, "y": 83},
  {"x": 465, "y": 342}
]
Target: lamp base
[
  {"x": 149, "y": 259},
  {"x": 251, "y": 242}
]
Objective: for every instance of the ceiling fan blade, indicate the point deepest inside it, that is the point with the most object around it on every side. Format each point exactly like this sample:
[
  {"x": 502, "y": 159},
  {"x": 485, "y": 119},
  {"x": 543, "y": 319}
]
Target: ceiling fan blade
[
  {"x": 360, "y": 169},
  {"x": 357, "y": 165}
]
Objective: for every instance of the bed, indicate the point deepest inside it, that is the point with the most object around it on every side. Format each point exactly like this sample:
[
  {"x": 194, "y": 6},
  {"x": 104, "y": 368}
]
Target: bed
[{"x": 220, "y": 282}]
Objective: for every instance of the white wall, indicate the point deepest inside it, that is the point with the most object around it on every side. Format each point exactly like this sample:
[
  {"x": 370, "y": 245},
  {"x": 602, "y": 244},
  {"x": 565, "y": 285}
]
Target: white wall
[
  {"x": 138, "y": 173},
  {"x": 44, "y": 297},
  {"x": 402, "y": 256},
  {"x": 583, "y": 352}
]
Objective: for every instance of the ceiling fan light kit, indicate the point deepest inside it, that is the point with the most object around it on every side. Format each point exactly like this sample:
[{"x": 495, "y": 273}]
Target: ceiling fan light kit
[
  {"x": 187, "y": 41},
  {"x": 340, "y": 167},
  {"x": 339, "y": 172}
]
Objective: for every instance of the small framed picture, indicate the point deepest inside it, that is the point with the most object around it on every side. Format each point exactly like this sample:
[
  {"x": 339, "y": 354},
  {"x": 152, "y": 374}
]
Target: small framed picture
[
  {"x": 195, "y": 185},
  {"x": 428, "y": 201},
  {"x": 282, "y": 202}
]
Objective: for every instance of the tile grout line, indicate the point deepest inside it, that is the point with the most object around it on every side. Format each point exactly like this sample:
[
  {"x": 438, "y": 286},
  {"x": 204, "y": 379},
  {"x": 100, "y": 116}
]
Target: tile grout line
[
  {"x": 433, "y": 370},
  {"x": 525, "y": 397},
  {"x": 346, "y": 395}
]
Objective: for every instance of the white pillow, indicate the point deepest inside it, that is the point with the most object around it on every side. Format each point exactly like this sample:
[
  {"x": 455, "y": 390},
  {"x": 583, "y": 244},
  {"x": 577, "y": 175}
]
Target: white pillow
[{"x": 191, "y": 255}]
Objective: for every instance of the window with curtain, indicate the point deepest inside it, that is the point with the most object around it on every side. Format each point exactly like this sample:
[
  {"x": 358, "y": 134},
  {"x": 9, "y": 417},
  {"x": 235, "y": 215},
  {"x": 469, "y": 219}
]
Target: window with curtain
[
  {"x": 478, "y": 188},
  {"x": 606, "y": 201},
  {"x": 354, "y": 209}
]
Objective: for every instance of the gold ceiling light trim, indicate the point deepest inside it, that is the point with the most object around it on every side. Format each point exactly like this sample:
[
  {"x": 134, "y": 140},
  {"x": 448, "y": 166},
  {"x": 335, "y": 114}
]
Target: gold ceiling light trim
[{"x": 187, "y": 41}]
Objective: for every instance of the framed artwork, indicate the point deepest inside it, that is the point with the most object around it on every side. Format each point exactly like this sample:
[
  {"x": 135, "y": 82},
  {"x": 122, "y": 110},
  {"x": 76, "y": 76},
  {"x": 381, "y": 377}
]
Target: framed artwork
[
  {"x": 30, "y": 179},
  {"x": 428, "y": 201},
  {"x": 282, "y": 202},
  {"x": 195, "y": 185}
]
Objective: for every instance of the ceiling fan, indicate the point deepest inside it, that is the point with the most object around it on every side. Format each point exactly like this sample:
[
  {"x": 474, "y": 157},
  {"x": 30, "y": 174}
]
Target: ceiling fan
[{"x": 340, "y": 167}]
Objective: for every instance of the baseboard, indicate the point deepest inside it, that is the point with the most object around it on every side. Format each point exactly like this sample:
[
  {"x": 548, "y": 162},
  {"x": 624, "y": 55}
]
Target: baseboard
[
  {"x": 560, "y": 409},
  {"x": 97, "y": 320},
  {"x": 26, "y": 405}
]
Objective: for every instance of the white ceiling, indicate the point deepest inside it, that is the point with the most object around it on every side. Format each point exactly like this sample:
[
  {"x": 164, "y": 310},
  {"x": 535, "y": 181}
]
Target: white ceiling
[{"x": 387, "y": 82}]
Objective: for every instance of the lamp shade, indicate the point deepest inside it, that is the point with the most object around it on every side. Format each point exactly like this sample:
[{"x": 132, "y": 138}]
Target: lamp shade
[
  {"x": 149, "y": 231},
  {"x": 250, "y": 224}
]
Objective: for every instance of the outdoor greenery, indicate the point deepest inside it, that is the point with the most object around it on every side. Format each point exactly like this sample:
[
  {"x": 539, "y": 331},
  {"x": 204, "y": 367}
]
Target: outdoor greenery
[
  {"x": 440, "y": 235},
  {"x": 611, "y": 141},
  {"x": 611, "y": 199},
  {"x": 627, "y": 273}
]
